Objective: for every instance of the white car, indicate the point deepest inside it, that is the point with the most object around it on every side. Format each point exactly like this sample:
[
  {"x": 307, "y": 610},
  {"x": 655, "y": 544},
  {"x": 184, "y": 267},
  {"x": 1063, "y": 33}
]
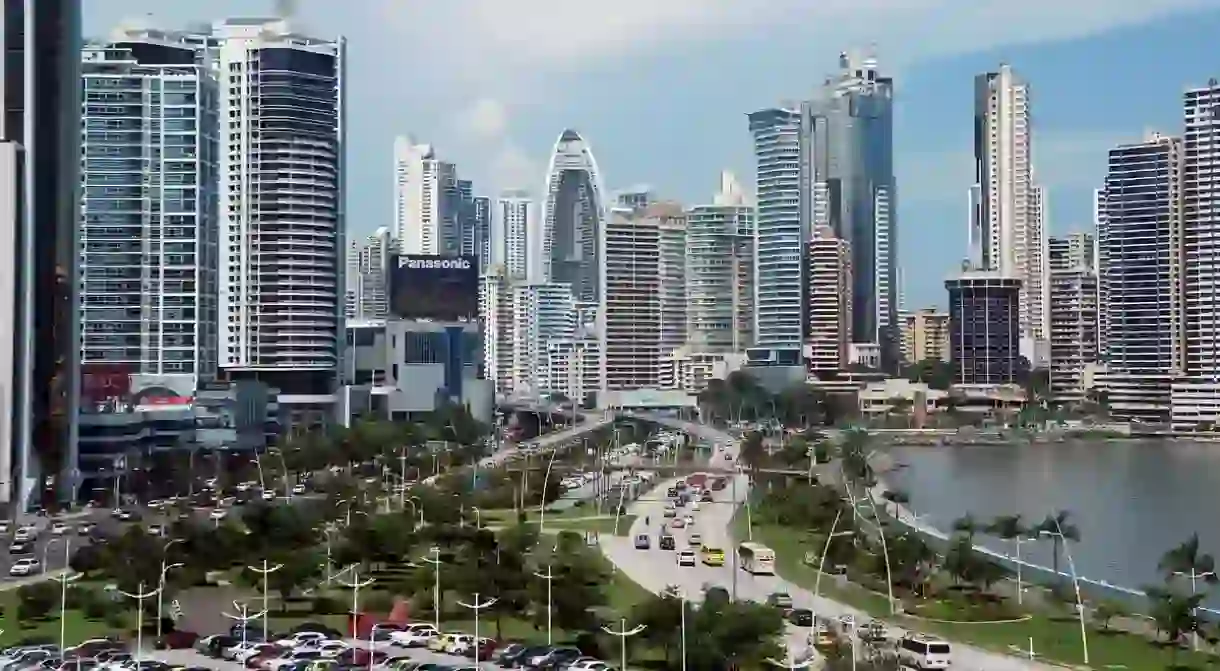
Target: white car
[
  {"x": 589, "y": 665},
  {"x": 414, "y": 636},
  {"x": 289, "y": 659},
  {"x": 302, "y": 638},
  {"x": 59, "y": 529},
  {"x": 456, "y": 644},
  {"x": 24, "y": 567},
  {"x": 694, "y": 539},
  {"x": 686, "y": 558},
  {"x": 26, "y": 533},
  {"x": 332, "y": 649},
  {"x": 219, "y": 514},
  {"x": 690, "y": 520},
  {"x": 298, "y": 489},
  {"x": 242, "y": 652}
]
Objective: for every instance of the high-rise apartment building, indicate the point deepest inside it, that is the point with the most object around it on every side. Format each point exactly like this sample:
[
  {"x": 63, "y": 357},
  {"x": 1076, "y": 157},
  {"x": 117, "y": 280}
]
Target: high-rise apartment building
[
  {"x": 573, "y": 218},
  {"x": 635, "y": 197},
  {"x": 474, "y": 222},
  {"x": 574, "y": 367},
  {"x": 779, "y": 301},
  {"x": 480, "y": 225},
  {"x": 1200, "y": 231},
  {"x": 984, "y": 327},
  {"x": 496, "y": 314},
  {"x": 1073, "y": 314},
  {"x": 517, "y": 222},
  {"x": 427, "y": 202},
  {"x": 40, "y": 153},
  {"x": 925, "y": 336},
  {"x": 720, "y": 272},
  {"x": 1007, "y": 207},
  {"x": 829, "y": 285},
  {"x": 369, "y": 264},
  {"x": 847, "y": 183},
  {"x": 672, "y": 225},
  {"x": 148, "y": 250},
  {"x": 630, "y": 311},
  {"x": 541, "y": 311},
  {"x": 1138, "y": 250},
  {"x": 282, "y": 225}
]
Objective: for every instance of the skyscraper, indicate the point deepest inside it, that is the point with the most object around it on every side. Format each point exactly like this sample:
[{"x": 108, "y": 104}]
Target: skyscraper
[
  {"x": 573, "y": 218},
  {"x": 630, "y": 302},
  {"x": 1200, "y": 230},
  {"x": 480, "y": 223},
  {"x": 720, "y": 272},
  {"x": 1007, "y": 207},
  {"x": 148, "y": 286},
  {"x": 541, "y": 311},
  {"x": 39, "y": 360},
  {"x": 779, "y": 304},
  {"x": 1072, "y": 314},
  {"x": 369, "y": 263},
  {"x": 427, "y": 202},
  {"x": 672, "y": 225},
  {"x": 517, "y": 222},
  {"x": 281, "y": 206},
  {"x": 847, "y": 183},
  {"x": 1139, "y": 258},
  {"x": 983, "y": 327},
  {"x": 829, "y": 286}
]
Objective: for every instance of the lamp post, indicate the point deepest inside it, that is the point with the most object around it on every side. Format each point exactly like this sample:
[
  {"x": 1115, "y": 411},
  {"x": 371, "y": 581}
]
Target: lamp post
[
  {"x": 478, "y": 517},
  {"x": 265, "y": 572},
  {"x": 140, "y": 595},
  {"x": 476, "y": 607},
  {"x": 1194, "y": 578},
  {"x": 548, "y": 577},
  {"x": 165, "y": 568},
  {"x": 623, "y": 634},
  {"x": 435, "y": 561},
  {"x": 243, "y": 617},
  {"x": 327, "y": 531},
  {"x": 64, "y": 581},
  {"x": 355, "y": 586},
  {"x": 1084, "y": 635},
  {"x": 402, "y": 478},
  {"x": 817, "y": 582},
  {"x": 546, "y": 477}
]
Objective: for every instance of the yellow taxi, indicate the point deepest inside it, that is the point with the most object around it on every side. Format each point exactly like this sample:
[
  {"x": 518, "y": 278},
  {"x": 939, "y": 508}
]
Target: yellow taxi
[{"x": 712, "y": 556}]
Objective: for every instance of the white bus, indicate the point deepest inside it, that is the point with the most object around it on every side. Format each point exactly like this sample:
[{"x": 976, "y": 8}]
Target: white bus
[{"x": 756, "y": 558}]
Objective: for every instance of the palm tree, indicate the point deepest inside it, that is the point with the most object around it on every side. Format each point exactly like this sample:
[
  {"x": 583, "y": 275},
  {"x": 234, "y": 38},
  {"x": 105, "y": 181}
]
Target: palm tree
[
  {"x": 1188, "y": 560},
  {"x": 968, "y": 526},
  {"x": 1060, "y": 528}
]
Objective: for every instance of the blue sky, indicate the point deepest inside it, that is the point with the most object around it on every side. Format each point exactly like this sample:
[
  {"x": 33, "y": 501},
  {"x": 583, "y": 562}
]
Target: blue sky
[{"x": 661, "y": 88}]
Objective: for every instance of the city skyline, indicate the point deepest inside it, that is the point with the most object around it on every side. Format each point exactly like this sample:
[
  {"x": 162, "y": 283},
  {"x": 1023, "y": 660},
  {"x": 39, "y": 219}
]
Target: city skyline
[{"x": 933, "y": 99}]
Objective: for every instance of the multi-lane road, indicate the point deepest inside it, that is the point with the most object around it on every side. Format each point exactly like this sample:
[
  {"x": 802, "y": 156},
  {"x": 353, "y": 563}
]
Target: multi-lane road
[{"x": 657, "y": 569}]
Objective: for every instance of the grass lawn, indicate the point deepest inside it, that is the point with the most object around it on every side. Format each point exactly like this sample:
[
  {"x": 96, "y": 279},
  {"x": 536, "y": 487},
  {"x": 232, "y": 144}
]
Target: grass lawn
[
  {"x": 77, "y": 627},
  {"x": 1055, "y": 638},
  {"x": 509, "y": 516},
  {"x": 601, "y": 525}
]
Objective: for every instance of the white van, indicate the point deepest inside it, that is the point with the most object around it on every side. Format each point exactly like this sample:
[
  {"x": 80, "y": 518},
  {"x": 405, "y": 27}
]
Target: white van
[{"x": 923, "y": 652}]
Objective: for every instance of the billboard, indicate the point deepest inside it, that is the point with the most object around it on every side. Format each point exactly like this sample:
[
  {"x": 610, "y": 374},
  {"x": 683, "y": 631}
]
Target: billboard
[
  {"x": 105, "y": 382},
  {"x": 443, "y": 288}
]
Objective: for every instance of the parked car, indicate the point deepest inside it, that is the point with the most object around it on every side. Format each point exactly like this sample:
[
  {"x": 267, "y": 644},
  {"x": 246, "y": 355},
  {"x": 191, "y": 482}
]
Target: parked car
[
  {"x": 779, "y": 600},
  {"x": 414, "y": 636},
  {"x": 801, "y": 617}
]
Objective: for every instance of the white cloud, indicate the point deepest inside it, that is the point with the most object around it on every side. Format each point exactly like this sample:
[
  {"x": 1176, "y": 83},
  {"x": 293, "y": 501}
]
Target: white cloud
[{"x": 486, "y": 118}]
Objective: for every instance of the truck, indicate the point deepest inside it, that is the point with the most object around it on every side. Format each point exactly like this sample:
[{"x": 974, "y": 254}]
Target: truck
[{"x": 697, "y": 481}]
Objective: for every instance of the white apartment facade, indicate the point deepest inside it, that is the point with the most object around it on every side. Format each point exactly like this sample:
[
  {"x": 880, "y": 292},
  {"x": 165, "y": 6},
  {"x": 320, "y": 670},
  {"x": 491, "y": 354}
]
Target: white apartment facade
[
  {"x": 541, "y": 311},
  {"x": 369, "y": 264},
  {"x": 496, "y": 314},
  {"x": 671, "y": 225},
  {"x": 426, "y": 212},
  {"x": 720, "y": 271},
  {"x": 630, "y": 309},
  {"x": 1007, "y": 207},
  {"x": 573, "y": 367},
  {"x": 516, "y": 221},
  {"x": 282, "y": 223},
  {"x": 828, "y": 329}
]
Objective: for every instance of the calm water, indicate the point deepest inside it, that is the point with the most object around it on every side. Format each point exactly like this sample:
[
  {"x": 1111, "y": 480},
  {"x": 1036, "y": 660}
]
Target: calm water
[{"x": 1130, "y": 500}]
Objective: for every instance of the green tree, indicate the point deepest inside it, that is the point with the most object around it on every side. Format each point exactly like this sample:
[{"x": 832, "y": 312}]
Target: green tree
[
  {"x": 132, "y": 558},
  {"x": 968, "y": 526},
  {"x": 1106, "y": 611},
  {"x": 297, "y": 570},
  {"x": 1173, "y": 613},
  {"x": 662, "y": 615},
  {"x": 753, "y": 453},
  {"x": 726, "y": 635},
  {"x": 1060, "y": 529},
  {"x": 1187, "y": 560},
  {"x": 935, "y": 373},
  {"x": 35, "y": 601}
]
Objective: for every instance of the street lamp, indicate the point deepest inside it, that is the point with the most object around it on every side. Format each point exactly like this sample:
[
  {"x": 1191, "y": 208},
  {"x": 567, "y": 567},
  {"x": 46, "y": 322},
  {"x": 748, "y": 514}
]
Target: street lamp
[
  {"x": 355, "y": 586},
  {"x": 476, "y": 607},
  {"x": 817, "y": 582},
  {"x": 1194, "y": 578},
  {"x": 548, "y": 577},
  {"x": 623, "y": 633},
  {"x": 140, "y": 595},
  {"x": 243, "y": 617},
  {"x": 416, "y": 501},
  {"x": 435, "y": 561},
  {"x": 164, "y": 570},
  {"x": 1084, "y": 635},
  {"x": 265, "y": 572},
  {"x": 64, "y": 580},
  {"x": 542, "y": 497}
]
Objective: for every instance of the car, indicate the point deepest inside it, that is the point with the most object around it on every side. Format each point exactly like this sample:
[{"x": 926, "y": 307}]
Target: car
[
  {"x": 588, "y": 665},
  {"x": 694, "y": 506},
  {"x": 21, "y": 548},
  {"x": 672, "y": 492},
  {"x": 780, "y": 600},
  {"x": 86, "y": 529},
  {"x": 414, "y": 636},
  {"x": 707, "y": 497},
  {"x": 728, "y": 457},
  {"x": 686, "y": 558},
  {"x": 873, "y": 631},
  {"x": 301, "y": 638},
  {"x": 643, "y": 542},
  {"x": 679, "y": 523},
  {"x": 503, "y": 655},
  {"x": 801, "y": 617},
  {"x": 24, "y": 567},
  {"x": 556, "y": 658},
  {"x": 156, "y": 530},
  {"x": 298, "y": 489},
  {"x": 695, "y": 539},
  {"x": 670, "y": 513},
  {"x": 219, "y": 514},
  {"x": 268, "y": 495},
  {"x": 690, "y": 520},
  {"x": 667, "y": 542},
  {"x": 712, "y": 556},
  {"x": 26, "y": 533},
  {"x": 924, "y": 652},
  {"x": 59, "y": 529}
]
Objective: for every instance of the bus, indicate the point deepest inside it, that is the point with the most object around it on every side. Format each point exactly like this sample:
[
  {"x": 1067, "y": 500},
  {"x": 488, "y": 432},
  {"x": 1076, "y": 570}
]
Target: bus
[{"x": 756, "y": 558}]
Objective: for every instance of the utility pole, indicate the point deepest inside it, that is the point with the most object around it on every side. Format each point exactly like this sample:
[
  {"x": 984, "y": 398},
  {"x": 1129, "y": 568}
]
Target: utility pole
[
  {"x": 265, "y": 572},
  {"x": 550, "y": 610},
  {"x": 623, "y": 634},
  {"x": 476, "y": 607}
]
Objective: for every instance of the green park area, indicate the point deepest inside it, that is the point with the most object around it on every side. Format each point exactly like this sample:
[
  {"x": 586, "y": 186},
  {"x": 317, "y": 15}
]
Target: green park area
[{"x": 951, "y": 590}]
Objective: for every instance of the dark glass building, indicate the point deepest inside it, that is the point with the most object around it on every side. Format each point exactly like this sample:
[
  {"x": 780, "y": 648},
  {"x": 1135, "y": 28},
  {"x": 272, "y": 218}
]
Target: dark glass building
[
  {"x": 40, "y": 117},
  {"x": 983, "y": 327}
]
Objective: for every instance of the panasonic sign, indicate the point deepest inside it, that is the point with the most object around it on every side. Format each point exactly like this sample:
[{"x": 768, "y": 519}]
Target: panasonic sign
[{"x": 438, "y": 264}]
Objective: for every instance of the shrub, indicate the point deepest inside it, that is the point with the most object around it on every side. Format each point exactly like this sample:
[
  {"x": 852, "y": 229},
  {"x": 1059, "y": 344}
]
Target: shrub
[{"x": 326, "y": 605}]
